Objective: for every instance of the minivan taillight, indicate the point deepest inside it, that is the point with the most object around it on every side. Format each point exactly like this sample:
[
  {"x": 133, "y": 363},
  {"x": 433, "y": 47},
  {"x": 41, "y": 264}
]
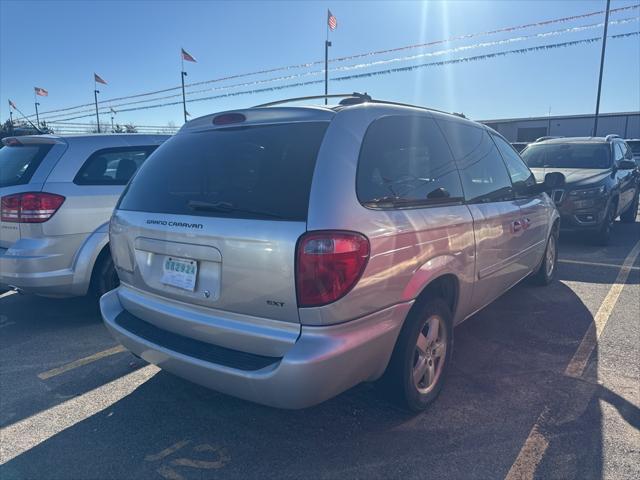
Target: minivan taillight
[
  {"x": 329, "y": 264},
  {"x": 31, "y": 207}
]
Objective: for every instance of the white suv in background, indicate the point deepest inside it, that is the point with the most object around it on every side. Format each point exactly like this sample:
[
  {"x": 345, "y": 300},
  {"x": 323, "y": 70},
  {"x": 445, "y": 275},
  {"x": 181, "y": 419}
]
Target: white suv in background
[{"x": 57, "y": 196}]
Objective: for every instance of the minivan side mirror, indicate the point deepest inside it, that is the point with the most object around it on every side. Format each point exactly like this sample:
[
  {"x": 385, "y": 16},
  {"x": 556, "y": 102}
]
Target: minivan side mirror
[
  {"x": 552, "y": 181},
  {"x": 626, "y": 164}
]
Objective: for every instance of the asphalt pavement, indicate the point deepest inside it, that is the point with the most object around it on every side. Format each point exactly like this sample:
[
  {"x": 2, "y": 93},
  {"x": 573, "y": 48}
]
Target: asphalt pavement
[{"x": 544, "y": 384}]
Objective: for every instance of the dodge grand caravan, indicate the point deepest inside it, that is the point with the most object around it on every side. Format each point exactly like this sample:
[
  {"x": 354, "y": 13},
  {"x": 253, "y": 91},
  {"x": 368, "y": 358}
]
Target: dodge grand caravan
[{"x": 286, "y": 254}]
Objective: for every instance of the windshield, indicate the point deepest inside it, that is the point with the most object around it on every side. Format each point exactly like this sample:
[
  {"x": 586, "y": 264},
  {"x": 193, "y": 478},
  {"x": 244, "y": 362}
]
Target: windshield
[
  {"x": 635, "y": 146},
  {"x": 19, "y": 162},
  {"x": 260, "y": 172},
  {"x": 568, "y": 155}
]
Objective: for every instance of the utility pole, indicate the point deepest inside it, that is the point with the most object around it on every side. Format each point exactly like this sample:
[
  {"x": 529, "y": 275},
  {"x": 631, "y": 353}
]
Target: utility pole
[
  {"x": 549, "y": 122},
  {"x": 604, "y": 46}
]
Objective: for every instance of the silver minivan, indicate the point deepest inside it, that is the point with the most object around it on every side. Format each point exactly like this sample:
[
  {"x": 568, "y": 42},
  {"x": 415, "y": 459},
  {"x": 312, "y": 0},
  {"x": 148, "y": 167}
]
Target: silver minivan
[
  {"x": 286, "y": 254},
  {"x": 58, "y": 194}
]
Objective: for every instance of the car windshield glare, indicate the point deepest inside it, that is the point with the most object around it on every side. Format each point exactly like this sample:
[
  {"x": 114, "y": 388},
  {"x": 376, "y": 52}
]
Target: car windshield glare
[{"x": 568, "y": 155}]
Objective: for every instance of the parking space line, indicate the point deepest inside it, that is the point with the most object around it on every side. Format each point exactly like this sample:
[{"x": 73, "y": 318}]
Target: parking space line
[
  {"x": 578, "y": 362},
  {"x": 536, "y": 444},
  {"x": 80, "y": 362},
  {"x": 32, "y": 431},
  {"x": 594, "y": 264},
  {"x": 7, "y": 294}
]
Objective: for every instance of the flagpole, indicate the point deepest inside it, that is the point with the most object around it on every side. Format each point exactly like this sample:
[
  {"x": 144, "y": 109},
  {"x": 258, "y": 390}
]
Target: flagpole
[
  {"x": 327, "y": 44},
  {"x": 182, "y": 75},
  {"x": 24, "y": 116},
  {"x": 95, "y": 96},
  {"x": 11, "y": 120},
  {"x": 35, "y": 100}
]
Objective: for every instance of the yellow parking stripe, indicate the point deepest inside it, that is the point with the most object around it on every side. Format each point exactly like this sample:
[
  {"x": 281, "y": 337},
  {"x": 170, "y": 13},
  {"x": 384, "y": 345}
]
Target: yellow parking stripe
[
  {"x": 594, "y": 264},
  {"x": 79, "y": 363},
  {"x": 536, "y": 444}
]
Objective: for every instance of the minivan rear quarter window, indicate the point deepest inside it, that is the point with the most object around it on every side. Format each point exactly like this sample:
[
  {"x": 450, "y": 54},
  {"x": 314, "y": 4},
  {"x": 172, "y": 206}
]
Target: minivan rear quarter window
[
  {"x": 18, "y": 163},
  {"x": 259, "y": 171},
  {"x": 404, "y": 162}
]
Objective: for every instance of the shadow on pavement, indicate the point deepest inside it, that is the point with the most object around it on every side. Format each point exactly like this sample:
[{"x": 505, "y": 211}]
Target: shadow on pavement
[{"x": 507, "y": 369}]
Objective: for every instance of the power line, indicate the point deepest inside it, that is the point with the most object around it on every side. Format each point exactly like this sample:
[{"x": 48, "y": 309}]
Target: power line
[{"x": 360, "y": 55}]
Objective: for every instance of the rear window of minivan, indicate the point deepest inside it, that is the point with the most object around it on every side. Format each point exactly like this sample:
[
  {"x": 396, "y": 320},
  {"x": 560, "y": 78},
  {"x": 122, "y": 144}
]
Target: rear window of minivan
[
  {"x": 18, "y": 163},
  {"x": 260, "y": 171}
]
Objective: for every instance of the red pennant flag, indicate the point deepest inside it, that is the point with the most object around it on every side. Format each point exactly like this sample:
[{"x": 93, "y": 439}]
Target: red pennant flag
[
  {"x": 98, "y": 79},
  {"x": 187, "y": 57},
  {"x": 41, "y": 92},
  {"x": 12, "y": 105},
  {"x": 331, "y": 20}
]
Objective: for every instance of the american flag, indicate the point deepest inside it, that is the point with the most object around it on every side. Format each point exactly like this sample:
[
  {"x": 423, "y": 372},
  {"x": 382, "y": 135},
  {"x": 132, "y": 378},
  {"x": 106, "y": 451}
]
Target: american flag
[
  {"x": 41, "y": 92},
  {"x": 187, "y": 57},
  {"x": 98, "y": 79},
  {"x": 331, "y": 20},
  {"x": 12, "y": 105}
]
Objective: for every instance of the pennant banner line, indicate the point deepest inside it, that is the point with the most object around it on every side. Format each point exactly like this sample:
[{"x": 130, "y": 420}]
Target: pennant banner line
[
  {"x": 360, "y": 55},
  {"x": 368, "y": 64},
  {"x": 384, "y": 72}
]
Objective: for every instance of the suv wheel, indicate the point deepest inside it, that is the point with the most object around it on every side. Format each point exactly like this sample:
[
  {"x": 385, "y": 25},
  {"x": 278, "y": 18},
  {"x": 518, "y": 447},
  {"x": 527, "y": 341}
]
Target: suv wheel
[
  {"x": 547, "y": 270},
  {"x": 604, "y": 233},
  {"x": 629, "y": 215},
  {"x": 420, "y": 359},
  {"x": 104, "y": 278}
]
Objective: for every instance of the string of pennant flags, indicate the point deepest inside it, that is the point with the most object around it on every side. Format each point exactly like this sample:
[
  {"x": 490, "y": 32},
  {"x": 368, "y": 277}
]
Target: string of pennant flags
[
  {"x": 379, "y": 62},
  {"x": 72, "y": 113},
  {"x": 386, "y": 72},
  {"x": 365, "y": 54}
]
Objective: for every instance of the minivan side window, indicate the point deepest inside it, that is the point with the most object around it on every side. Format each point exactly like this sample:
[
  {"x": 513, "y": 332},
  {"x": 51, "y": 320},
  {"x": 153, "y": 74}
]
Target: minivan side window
[
  {"x": 484, "y": 174},
  {"x": 112, "y": 166},
  {"x": 405, "y": 161},
  {"x": 521, "y": 176}
]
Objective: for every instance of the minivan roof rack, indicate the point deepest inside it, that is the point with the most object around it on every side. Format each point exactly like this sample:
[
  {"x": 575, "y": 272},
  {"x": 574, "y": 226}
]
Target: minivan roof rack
[
  {"x": 352, "y": 98},
  {"x": 547, "y": 137},
  {"x": 611, "y": 136}
]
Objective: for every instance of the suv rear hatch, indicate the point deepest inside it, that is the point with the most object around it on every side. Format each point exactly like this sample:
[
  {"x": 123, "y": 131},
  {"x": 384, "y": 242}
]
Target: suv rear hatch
[
  {"x": 25, "y": 163},
  {"x": 213, "y": 217}
]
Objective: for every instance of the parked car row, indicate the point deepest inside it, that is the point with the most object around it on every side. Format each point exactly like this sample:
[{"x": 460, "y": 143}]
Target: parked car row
[{"x": 285, "y": 254}]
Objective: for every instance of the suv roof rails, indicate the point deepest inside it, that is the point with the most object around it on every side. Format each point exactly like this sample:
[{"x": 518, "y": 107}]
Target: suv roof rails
[
  {"x": 610, "y": 137},
  {"x": 349, "y": 99},
  {"x": 354, "y": 98},
  {"x": 547, "y": 137}
]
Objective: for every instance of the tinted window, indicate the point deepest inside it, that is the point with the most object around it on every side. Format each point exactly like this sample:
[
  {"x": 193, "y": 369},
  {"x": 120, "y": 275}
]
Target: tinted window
[
  {"x": 618, "y": 153},
  {"x": 568, "y": 155},
  {"x": 260, "y": 171},
  {"x": 405, "y": 161},
  {"x": 112, "y": 166},
  {"x": 484, "y": 175},
  {"x": 521, "y": 176},
  {"x": 635, "y": 146},
  {"x": 18, "y": 163}
]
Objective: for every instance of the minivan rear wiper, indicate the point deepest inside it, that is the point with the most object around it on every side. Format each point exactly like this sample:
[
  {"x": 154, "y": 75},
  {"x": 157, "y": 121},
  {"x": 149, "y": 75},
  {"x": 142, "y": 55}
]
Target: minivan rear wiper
[{"x": 226, "y": 207}]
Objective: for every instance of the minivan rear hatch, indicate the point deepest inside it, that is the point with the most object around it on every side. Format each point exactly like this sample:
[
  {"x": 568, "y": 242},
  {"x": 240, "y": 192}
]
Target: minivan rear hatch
[{"x": 213, "y": 217}]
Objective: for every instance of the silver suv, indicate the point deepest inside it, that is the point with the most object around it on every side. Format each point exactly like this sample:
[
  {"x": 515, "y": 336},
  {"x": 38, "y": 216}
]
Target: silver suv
[
  {"x": 284, "y": 255},
  {"x": 58, "y": 194}
]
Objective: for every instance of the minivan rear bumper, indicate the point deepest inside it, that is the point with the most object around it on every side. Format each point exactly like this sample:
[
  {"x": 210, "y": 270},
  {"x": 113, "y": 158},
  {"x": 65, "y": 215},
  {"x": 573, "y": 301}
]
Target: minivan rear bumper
[{"x": 322, "y": 363}]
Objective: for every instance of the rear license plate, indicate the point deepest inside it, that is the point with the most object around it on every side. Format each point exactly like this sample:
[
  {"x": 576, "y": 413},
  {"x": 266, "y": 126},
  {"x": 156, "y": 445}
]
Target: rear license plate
[{"x": 180, "y": 273}]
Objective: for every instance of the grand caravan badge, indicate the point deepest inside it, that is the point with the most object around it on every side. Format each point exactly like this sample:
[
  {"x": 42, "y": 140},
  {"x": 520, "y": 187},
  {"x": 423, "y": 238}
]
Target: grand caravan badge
[{"x": 168, "y": 223}]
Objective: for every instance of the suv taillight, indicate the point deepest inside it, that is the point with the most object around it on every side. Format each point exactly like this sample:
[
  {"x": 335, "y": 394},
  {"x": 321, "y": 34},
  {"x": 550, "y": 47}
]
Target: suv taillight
[
  {"x": 31, "y": 207},
  {"x": 328, "y": 265}
]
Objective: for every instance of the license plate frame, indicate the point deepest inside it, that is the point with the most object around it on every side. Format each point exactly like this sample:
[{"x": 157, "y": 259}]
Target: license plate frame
[{"x": 179, "y": 273}]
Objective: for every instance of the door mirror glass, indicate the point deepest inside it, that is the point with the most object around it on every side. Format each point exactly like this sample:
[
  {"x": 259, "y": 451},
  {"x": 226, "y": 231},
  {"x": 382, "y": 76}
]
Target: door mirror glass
[{"x": 626, "y": 164}]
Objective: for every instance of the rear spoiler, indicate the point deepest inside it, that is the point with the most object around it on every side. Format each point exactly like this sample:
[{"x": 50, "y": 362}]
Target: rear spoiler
[{"x": 33, "y": 140}]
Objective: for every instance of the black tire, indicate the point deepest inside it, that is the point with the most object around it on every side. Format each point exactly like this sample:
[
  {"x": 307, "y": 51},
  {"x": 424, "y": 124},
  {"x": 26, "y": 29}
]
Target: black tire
[
  {"x": 546, "y": 272},
  {"x": 603, "y": 234},
  {"x": 104, "y": 277},
  {"x": 398, "y": 381},
  {"x": 630, "y": 214}
]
